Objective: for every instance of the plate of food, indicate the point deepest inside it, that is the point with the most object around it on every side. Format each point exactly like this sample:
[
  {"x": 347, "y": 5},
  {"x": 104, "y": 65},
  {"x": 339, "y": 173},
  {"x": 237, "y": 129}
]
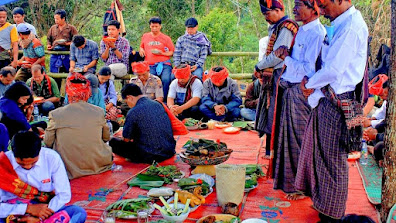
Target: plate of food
[
  {"x": 222, "y": 125},
  {"x": 37, "y": 99},
  {"x": 78, "y": 70},
  {"x": 231, "y": 130},
  {"x": 208, "y": 179},
  {"x": 169, "y": 173},
  {"x": 61, "y": 41},
  {"x": 224, "y": 218},
  {"x": 127, "y": 208},
  {"x": 109, "y": 39},
  {"x": 354, "y": 156}
]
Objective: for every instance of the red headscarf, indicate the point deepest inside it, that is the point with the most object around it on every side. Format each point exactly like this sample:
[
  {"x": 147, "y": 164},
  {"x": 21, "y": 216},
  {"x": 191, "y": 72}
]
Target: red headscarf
[
  {"x": 182, "y": 73},
  {"x": 79, "y": 91},
  {"x": 267, "y": 5},
  {"x": 218, "y": 77},
  {"x": 313, "y": 5},
  {"x": 375, "y": 85},
  {"x": 140, "y": 67}
]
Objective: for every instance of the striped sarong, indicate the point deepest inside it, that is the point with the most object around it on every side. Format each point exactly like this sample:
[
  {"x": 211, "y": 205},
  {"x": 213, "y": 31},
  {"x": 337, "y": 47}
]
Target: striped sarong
[
  {"x": 322, "y": 171},
  {"x": 294, "y": 114}
]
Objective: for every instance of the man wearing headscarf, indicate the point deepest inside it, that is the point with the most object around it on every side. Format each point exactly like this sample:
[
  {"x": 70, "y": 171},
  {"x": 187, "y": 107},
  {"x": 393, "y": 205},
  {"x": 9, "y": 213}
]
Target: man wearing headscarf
[
  {"x": 292, "y": 111},
  {"x": 78, "y": 131},
  {"x": 333, "y": 128},
  {"x": 151, "y": 85},
  {"x": 281, "y": 33},
  {"x": 378, "y": 86},
  {"x": 192, "y": 48},
  {"x": 185, "y": 93},
  {"x": 220, "y": 96}
]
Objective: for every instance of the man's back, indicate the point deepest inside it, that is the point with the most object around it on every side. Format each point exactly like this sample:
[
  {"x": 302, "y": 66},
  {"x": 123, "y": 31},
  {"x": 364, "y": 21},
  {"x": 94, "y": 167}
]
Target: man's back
[{"x": 150, "y": 128}]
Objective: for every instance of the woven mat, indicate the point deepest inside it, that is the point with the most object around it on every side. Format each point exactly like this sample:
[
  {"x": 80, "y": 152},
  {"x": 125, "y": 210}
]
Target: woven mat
[{"x": 372, "y": 179}]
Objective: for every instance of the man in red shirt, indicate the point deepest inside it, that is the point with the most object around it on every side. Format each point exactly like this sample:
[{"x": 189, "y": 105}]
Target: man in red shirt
[{"x": 157, "y": 48}]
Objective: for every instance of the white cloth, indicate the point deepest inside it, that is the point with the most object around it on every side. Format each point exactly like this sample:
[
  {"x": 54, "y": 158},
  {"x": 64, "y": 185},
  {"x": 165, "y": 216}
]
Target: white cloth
[
  {"x": 179, "y": 93},
  {"x": 263, "y": 43},
  {"x": 305, "y": 52},
  {"x": 344, "y": 58},
  {"x": 379, "y": 114},
  {"x": 48, "y": 174}
]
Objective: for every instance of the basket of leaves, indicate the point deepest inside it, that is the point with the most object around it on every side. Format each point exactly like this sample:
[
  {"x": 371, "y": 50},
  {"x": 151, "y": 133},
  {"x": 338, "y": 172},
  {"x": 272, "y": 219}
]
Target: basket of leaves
[{"x": 205, "y": 152}]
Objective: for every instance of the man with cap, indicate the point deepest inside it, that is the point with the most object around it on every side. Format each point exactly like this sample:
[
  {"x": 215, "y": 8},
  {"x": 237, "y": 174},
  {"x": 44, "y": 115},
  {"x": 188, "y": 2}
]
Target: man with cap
[
  {"x": 157, "y": 49},
  {"x": 185, "y": 93},
  {"x": 78, "y": 132},
  {"x": 291, "y": 116},
  {"x": 150, "y": 84},
  {"x": 333, "y": 127},
  {"x": 33, "y": 53},
  {"x": 220, "y": 96},
  {"x": 192, "y": 48},
  {"x": 281, "y": 33},
  {"x": 8, "y": 41},
  {"x": 18, "y": 14},
  {"x": 7, "y": 77},
  {"x": 84, "y": 55},
  {"x": 44, "y": 86}
]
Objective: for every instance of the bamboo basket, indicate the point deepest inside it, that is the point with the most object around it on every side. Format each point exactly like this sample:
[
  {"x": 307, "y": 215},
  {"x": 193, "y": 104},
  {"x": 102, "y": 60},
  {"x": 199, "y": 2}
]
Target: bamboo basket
[{"x": 230, "y": 183}]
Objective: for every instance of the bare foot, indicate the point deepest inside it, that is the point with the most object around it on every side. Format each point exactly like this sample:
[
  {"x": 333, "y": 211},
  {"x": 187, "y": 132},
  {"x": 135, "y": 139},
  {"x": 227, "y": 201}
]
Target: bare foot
[{"x": 294, "y": 196}]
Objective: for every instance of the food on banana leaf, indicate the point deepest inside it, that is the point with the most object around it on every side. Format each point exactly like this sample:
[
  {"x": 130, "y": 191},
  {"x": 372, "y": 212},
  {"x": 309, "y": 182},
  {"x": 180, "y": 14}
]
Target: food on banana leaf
[
  {"x": 146, "y": 181},
  {"x": 168, "y": 173},
  {"x": 128, "y": 208},
  {"x": 189, "y": 184},
  {"x": 191, "y": 122},
  {"x": 205, "y": 149},
  {"x": 253, "y": 172}
]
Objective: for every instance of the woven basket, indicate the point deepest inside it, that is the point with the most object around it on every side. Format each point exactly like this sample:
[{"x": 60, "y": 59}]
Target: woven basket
[{"x": 230, "y": 183}]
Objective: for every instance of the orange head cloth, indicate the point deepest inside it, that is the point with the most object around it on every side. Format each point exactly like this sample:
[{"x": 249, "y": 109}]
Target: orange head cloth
[
  {"x": 77, "y": 88},
  {"x": 268, "y": 5},
  {"x": 182, "y": 73},
  {"x": 375, "y": 85},
  {"x": 140, "y": 67},
  {"x": 218, "y": 77},
  {"x": 313, "y": 5}
]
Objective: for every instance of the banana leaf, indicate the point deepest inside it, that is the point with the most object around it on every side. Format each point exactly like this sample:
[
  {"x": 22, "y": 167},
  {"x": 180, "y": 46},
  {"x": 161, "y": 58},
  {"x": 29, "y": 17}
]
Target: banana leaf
[{"x": 146, "y": 181}]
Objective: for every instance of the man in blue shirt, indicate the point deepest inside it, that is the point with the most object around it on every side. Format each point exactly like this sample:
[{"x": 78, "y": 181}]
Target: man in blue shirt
[
  {"x": 42, "y": 173},
  {"x": 7, "y": 77},
  {"x": 84, "y": 55},
  {"x": 147, "y": 133},
  {"x": 192, "y": 48}
]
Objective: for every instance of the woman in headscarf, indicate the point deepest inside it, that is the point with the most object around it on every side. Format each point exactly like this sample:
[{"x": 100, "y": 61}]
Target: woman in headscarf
[{"x": 78, "y": 131}]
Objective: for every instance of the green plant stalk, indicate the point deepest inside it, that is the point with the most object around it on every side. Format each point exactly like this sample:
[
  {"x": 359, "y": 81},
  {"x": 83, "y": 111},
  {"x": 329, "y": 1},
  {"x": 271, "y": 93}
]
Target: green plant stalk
[
  {"x": 186, "y": 205},
  {"x": 161, "y": 209},
  {"x": 166, "y": 205},
  {"x": 175, "y": 200}
]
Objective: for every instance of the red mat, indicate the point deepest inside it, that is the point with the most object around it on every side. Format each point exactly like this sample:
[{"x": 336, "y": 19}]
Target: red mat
[{"x": 262, "y": 202}]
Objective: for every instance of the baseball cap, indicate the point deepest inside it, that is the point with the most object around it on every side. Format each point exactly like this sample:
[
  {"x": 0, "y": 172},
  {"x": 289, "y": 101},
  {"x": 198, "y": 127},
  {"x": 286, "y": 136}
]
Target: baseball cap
[
  {"x": 105, "y": 71},
  {"x": 23, "y": 28},
  {"x": 191, "y": 22}
]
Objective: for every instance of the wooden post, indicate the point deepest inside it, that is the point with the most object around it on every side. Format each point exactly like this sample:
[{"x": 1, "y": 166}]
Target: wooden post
[{"x": 389, "y": 174}]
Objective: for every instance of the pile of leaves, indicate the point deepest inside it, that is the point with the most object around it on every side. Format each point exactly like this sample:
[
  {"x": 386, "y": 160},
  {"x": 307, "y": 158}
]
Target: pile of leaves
[
  {"x": 253, "y": 172},
  {"x": 205, "y": 148},
  {"x": 146, "y": 182},
  {"x": 168, "y": 173},
  {"x": 128, "y": 208},
  {"x": 191, "y": 122}
]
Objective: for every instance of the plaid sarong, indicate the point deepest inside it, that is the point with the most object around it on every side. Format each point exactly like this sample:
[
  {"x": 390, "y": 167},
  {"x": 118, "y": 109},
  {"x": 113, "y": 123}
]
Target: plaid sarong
[
  {"x": 322, "y": 171},
  {"x": 294, "y": 114},
  {"x": 9, "y": 181}
]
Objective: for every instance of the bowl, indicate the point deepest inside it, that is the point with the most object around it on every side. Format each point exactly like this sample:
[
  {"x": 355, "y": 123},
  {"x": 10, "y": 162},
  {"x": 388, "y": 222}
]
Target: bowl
[
  {"x": 179, "y": 218},
  {"x": 192, "y": 209},
  {"x": 61, "y": 41},
  {"x": 109, "y": 39},
  {"x": 231, "y": 130},
  {"x": 37, "y": 99},
  {"x": 205, "y": 161},
  {"x": 208, "y": 179},
  {"x": 254, "y": 220},
  {"x": 223, "y": 125}
]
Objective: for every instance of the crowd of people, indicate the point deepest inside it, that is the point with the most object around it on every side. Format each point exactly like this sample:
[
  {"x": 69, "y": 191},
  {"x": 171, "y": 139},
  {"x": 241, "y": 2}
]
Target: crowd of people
[{"x": 304, "y": 98}]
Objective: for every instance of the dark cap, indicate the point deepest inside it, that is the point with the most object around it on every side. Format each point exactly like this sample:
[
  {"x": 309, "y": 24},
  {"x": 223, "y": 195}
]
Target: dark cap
[
  {"x": 105, "y": 71},
  {"x": 191, "y": 22}
]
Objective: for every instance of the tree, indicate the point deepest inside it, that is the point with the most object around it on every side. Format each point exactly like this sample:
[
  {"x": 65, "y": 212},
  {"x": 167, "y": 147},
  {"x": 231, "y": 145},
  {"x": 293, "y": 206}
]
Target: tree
[{"x": 389, "y": 175}]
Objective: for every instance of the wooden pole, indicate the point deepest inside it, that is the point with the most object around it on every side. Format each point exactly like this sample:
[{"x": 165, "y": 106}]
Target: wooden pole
[{"x": 389, "y": 174}]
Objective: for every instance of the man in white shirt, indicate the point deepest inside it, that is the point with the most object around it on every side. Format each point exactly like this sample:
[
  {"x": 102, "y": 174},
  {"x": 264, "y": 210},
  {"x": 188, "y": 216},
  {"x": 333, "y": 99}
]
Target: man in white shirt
[
  {"x": 293, "y": 113},
  {"x": 40, "y": 173},
  {"x": 185, "y": 93},
  {"x": 18, "y": 14},
  {"x": 323, "y": 167}
]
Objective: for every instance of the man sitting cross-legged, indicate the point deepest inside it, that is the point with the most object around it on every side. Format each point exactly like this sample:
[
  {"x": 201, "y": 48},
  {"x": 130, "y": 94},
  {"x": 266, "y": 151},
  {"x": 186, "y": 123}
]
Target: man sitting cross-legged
[
  {"x": 220, "y": 96},
  {"x": 34, "y": 186},
  {"x": 185, "y": 93}
]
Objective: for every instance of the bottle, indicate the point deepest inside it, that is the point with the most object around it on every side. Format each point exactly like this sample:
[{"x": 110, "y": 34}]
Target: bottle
[
  {"x": 36, "y": 113},
  {"x": 363, "y": 156},
  {"x": 142, "y": 216},
  {"x": 116, "y": 168},
  {"x": 110, "y": 127}
]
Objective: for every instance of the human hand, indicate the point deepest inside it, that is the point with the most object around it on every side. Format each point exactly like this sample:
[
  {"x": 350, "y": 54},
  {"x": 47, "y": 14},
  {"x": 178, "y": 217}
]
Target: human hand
[
  {"x": 193, "y": 68},
  {"x": 111, "y": 44},
  {"x": 108, "y": 106},
  {"x": 282, "y": 52},
  {"x": 14, "y": 64},
  {"x": 306, "y": 91},
  {"x": 141, "y": 52},
  {"x": 28, "y": 219},
  {"x": 367, "y": 122},
  {"x": 369, "y": 134},
  {"x": 71, "y": 69},
  {"x": 49, "y": 47},
  {"x": 39, "y": 210},
  {"x": 85, "y": 69}
]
